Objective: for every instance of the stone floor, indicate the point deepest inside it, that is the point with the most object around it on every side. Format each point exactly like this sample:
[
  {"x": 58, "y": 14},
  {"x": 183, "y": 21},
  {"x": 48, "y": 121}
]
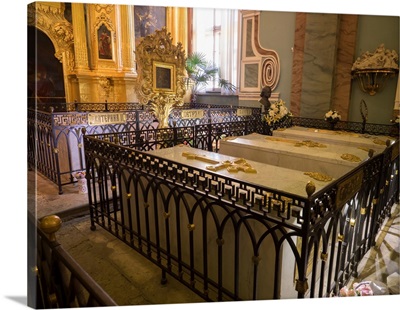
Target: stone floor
[{"x": 131, "y": 280}]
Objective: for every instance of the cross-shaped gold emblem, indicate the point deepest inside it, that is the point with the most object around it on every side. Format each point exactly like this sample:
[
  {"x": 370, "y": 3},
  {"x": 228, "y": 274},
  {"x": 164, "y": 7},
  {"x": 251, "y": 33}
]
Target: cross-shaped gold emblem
[{"x": 232, "y": 166}]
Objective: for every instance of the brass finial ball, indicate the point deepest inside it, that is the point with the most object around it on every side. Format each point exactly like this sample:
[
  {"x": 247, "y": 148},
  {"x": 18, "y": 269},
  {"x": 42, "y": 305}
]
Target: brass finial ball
[
  {"x": 310, "y": 188},
  {"x": 50, "y": 225}
]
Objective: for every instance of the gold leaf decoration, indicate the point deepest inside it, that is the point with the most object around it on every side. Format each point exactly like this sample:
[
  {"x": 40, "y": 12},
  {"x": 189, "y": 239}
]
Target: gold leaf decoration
[
  {"x": 351, "y": 157},
  {"x": 379, "y": 141},
  {"x": 319, "y": 176}
]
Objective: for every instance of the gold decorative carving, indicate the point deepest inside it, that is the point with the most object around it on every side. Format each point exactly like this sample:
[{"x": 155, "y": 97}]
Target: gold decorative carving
[
  {"x": 363, "y": 148},
  {"x": 379, "y": 141},
  {"x": 319, "y": 176},
  {"x": 310, "y": 143},
  {"x": 336, "y": 132},
  {"x": 301, "y": 286},
  {"x": 296, "y": 143},
  {"x": 50, "y": 19},
  {"x": 157, "y": 51},
  {"x": 324, "y": 256},
  {"x": 348, "y": 188},
  {"x": 108, "y": 8},
  {"x": 204, "y": 158},
  {"x": 350, "y": 157},
  {"x": 64, "y": 33},
  {"x": 102, "y": 19},
  {"x": 232, "y": 166},
  {"x": 105, "y": 84},
  {"x": 162, "y": 105}
]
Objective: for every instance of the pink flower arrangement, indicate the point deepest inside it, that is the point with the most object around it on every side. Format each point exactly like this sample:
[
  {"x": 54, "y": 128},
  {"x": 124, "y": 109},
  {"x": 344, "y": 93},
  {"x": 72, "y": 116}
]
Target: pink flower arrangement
[
  {"x": 80, "y": 175},
  {"x": 359, "y": 289}
]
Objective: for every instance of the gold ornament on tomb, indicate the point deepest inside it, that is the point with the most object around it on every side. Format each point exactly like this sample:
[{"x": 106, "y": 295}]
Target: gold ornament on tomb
[
  {"x": 310, "y": 143},
  {"x": 232, "y": 166},
  {"x": 363, "y": 148},
  {"x": 296, "y": 143},
  {"x": 351, "y": 157},
  {"x": 319, "y": 176},
  {"x": 379, "y": 141}
]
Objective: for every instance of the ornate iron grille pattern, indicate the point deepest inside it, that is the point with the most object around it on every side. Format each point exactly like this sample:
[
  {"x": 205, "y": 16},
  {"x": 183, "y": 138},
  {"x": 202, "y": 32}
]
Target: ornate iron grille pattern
[
  {"x": 53, "y": 137},
  {"x": 368, "y": 128},
  {"x": 151, "y": 197},
  {"x": 225, "y": 238},
  {"x": 341, "y": 234},
  {"x": 41, "y": 149},
  {"x": 212, "y": 115},
  {"x": 388, "y": 186},
  {"x": 205, "y": 137},
  {"x": 58, "y": 279}
]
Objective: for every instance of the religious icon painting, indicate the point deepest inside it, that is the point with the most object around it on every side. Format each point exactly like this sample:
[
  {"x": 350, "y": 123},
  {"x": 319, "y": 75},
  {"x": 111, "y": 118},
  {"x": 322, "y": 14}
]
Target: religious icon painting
[
  {"x": 104, "y": 42},
  {"x": 163, "y": 77}
]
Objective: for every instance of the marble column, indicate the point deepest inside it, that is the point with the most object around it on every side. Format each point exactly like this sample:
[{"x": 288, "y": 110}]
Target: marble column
[
  {"x": 344, "y": 62},
  {"x": 323, "y": 55},
  {"x": 297, "y": 70},
  {"x": 318, "y": 64}
]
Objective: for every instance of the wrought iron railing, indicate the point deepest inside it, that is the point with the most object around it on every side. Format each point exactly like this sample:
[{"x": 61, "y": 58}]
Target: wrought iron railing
[
  {"x": 232, "y": 240},
  {"x": 55, "y": 279},
  {"x": 359, "y": 127},
  {"x": 55, "y": 137}
]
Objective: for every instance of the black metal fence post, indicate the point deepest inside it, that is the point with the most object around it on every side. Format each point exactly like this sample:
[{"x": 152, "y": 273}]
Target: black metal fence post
[{"x": 175, "y": 133}]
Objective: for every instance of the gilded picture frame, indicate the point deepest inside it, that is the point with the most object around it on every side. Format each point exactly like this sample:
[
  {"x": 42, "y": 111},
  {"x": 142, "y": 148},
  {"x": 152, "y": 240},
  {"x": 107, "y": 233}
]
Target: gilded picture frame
[{"x": 163, "y": 77}]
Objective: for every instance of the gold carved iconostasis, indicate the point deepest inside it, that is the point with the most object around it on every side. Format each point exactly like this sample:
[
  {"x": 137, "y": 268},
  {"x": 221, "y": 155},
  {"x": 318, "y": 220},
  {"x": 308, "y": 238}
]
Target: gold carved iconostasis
[
  {"x": 85, "y": 53},
  {"x": 161, "y": 74}
]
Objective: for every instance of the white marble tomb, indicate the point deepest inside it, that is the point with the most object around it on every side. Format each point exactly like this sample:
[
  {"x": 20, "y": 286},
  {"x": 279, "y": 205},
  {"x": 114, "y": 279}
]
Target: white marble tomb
[
  {"x": 305, "y": 155},
  {"x": 270, "y": 176}
]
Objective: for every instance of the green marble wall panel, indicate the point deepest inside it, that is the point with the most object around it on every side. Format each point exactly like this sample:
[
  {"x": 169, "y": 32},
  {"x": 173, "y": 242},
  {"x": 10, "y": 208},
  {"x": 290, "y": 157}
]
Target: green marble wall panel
[{"x": 318, "y": 64}]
